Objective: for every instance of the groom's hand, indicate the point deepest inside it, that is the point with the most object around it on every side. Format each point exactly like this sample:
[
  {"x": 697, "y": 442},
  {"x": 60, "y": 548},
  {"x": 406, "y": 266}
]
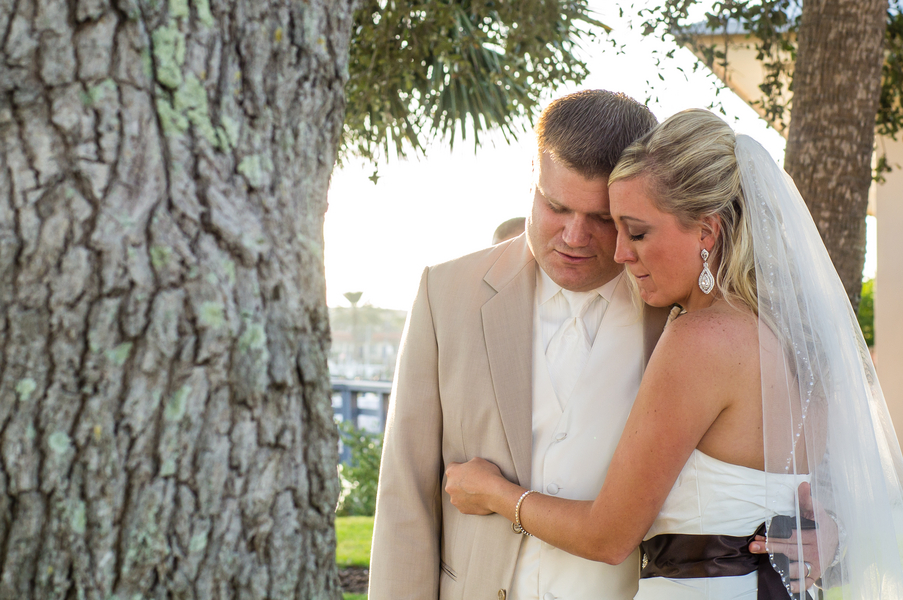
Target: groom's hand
[
  {"x": 811, "y": 565},
  {"x": 808, "y": 538}
]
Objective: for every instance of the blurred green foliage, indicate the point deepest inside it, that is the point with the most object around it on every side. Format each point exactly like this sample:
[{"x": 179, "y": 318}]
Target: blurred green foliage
[
  {"x": 866, "y": 313},
  {"x": 360, "y": 476},
  {"x": 438, "y": 67}
]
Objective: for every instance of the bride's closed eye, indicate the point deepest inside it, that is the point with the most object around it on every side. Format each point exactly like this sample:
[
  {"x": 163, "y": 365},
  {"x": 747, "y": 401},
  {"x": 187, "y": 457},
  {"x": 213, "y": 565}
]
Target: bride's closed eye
[{"x": 636, "y": 237}]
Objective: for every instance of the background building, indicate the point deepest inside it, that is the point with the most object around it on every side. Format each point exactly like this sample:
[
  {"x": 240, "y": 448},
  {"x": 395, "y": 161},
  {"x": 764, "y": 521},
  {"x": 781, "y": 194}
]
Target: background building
[{"x": 365, "y": 342}]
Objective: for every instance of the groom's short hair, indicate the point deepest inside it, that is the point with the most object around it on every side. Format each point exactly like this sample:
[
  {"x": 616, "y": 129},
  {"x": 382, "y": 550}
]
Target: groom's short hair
[{"x": 586, "y": 131}]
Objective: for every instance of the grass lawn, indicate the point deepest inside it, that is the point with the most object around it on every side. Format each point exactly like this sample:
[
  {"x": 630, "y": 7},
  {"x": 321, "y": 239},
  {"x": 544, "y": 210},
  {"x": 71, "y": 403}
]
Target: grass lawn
[{"x": 353, "y": 535}]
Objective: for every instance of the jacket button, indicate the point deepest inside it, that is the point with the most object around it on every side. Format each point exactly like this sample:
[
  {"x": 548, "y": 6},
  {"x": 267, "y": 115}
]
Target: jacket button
[
  {"x": 552, "y": 488},
  {"x": 548, "y": 596},
  {"x": 560, "y": 437},
  {"x": 503, "y": 594}
]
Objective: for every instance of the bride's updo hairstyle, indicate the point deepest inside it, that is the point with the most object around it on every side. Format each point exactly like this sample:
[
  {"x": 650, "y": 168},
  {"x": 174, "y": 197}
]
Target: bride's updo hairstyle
[{"x": 691, "y": 172}]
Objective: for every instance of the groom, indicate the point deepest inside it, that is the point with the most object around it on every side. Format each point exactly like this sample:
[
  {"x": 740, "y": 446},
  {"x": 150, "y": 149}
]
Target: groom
[
  {"x": 474, "y": 379},
  {"x": 484, "y": 371}
]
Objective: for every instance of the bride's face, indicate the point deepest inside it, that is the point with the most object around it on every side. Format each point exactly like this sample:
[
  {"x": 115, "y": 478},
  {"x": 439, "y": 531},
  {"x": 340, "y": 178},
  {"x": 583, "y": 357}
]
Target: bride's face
[{"x": 662, "y": 255}]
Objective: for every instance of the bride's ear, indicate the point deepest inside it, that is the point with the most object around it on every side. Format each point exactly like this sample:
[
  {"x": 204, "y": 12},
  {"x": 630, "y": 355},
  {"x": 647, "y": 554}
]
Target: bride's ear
[{"x": 710, "y": 227}]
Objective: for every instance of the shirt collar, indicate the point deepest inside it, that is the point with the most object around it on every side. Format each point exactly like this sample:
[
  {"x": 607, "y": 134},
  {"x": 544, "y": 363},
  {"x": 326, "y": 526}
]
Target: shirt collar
[{"x": 546, "y": 288}]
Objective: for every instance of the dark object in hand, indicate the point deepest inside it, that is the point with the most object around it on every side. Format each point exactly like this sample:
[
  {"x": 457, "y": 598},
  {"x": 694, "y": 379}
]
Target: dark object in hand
[{"x": 782, "y": 526}]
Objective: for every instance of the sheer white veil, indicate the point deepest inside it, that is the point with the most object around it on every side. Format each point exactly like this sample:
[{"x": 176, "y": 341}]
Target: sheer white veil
[{"x": 824, "y": 413}]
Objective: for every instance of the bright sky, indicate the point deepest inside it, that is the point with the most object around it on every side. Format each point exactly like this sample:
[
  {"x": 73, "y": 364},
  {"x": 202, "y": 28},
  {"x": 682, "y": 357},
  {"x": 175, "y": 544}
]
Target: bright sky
[{"x": 421, "y": 212}]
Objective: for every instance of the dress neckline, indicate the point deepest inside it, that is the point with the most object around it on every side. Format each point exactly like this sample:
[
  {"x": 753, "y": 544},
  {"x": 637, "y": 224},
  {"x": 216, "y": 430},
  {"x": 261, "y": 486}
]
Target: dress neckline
[{"x": 745, "y": 468}]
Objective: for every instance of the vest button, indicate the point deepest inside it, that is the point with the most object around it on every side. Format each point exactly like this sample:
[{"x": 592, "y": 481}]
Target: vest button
[
  {"x": 560, "y": 437},
  {"x": 503, "y": 594},
  {"x": 552, "y": 488},
  {"x": 548, "y": 596}
]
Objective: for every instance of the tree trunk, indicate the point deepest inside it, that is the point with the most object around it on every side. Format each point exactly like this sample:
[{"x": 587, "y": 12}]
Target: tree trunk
[
  {"x": 165, "y": 419},
  {"x": 836, "y": 85}
]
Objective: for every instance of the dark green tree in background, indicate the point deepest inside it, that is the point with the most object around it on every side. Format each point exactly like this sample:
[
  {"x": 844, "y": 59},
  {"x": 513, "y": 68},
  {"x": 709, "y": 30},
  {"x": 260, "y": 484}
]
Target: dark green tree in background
[{"x": 425, "y": 67}]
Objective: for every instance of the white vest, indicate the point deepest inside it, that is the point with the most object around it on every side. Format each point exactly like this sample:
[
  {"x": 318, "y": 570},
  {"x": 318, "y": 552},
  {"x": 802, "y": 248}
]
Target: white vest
[{"x": 572, "y": 449}]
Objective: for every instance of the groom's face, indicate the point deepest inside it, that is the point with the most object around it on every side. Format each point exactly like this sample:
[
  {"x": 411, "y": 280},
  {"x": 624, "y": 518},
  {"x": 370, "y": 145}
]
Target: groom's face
[{"x": 570, "y": 229}]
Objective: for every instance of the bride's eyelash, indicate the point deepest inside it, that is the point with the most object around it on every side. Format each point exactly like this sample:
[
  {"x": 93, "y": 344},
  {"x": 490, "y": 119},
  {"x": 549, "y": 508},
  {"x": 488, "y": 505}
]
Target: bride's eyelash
[{"x": 637, "y": 237}]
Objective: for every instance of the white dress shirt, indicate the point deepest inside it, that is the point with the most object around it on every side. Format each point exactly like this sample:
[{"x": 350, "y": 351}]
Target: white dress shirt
[
  {"x": 560, "y": 436},
  {"x": 554, "y": 308}
]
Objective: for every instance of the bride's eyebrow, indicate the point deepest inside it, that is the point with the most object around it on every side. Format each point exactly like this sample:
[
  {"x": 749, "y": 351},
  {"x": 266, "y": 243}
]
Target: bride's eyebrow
[{"x": 632, "y": 219}]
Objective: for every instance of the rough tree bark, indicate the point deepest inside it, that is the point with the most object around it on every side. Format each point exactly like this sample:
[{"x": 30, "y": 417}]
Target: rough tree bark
[
  {"x": 165, "y": 423},
  {"x": 836, "y": 87}
]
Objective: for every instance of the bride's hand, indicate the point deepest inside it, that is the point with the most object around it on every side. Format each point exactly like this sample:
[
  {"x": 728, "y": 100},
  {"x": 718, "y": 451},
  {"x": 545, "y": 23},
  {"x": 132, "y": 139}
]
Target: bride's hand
[{"x": 470, "y": 485}]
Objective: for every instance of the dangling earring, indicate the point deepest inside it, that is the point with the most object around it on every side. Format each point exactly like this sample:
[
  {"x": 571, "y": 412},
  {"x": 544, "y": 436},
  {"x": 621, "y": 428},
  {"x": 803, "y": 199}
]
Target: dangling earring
[{"x": 706, "y": 281}]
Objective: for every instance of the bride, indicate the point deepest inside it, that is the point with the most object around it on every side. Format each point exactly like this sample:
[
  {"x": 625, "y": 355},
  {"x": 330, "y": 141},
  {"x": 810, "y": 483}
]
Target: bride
[{"x": 761, "y": 381}]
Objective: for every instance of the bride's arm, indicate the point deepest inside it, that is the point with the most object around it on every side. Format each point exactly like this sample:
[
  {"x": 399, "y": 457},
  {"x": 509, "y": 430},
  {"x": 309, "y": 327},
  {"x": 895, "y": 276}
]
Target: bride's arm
[{"x": 685, "y": 388}]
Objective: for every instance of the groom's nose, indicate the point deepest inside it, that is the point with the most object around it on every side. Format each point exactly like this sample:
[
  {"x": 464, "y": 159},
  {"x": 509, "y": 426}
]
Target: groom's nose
[{"x": 576, "y": 232}]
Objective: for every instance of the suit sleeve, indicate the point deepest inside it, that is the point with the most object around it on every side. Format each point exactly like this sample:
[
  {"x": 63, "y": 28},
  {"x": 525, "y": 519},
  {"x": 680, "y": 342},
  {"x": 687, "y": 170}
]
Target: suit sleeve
[{"x": 404, "y": 561}]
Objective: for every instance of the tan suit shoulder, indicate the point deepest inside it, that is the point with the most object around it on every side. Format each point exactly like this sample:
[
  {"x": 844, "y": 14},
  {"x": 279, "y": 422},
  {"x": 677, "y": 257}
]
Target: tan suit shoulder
[
  {"x": 444, "y": 408},
  {"x": 495, "y": 266}
]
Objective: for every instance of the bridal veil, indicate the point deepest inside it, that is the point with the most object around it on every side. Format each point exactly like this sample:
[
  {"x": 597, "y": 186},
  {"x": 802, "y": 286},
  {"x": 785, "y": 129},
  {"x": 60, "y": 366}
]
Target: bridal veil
[{"x": 824, "y": 413}]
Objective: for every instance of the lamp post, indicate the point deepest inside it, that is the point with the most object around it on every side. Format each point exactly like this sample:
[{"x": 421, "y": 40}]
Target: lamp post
[{"x": 354, "y": 298}]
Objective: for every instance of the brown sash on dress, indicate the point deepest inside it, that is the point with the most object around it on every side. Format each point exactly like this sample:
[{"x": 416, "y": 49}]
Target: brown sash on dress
[{"x": 682, "y": 556}]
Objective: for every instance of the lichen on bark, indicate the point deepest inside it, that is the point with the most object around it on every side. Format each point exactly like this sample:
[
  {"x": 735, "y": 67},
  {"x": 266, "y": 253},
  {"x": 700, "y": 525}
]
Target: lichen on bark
[{"x": 165, "y": 422}]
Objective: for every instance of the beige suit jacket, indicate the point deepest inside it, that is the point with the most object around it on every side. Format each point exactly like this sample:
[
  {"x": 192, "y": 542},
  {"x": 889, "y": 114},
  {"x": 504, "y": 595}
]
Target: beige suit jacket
[{"x": 462, "y": 389}]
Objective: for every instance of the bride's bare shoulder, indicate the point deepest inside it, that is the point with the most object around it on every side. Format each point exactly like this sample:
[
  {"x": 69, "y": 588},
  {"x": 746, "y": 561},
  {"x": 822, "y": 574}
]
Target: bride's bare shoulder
[
  {"x": 721, "y": 330},
  {"x": 707, "y": 355}
]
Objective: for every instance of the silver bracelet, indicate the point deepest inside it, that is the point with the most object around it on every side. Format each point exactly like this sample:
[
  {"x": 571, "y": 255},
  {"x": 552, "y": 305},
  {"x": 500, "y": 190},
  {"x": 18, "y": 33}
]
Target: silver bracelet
[{"x": 516, "y": 526}]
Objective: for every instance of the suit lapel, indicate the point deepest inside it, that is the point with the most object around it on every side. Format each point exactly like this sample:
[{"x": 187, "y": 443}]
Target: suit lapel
[
  {"x": 653, "y": 323},
  {"x": 508, "y": 330}
]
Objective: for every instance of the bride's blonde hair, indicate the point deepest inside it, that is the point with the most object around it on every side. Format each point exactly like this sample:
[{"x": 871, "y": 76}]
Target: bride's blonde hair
[{"x": 691, "y": 172}]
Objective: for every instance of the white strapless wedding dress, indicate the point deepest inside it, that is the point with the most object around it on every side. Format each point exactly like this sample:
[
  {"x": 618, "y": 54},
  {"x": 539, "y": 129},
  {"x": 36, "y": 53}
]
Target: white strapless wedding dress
[{"x": 716, "y": 498}]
